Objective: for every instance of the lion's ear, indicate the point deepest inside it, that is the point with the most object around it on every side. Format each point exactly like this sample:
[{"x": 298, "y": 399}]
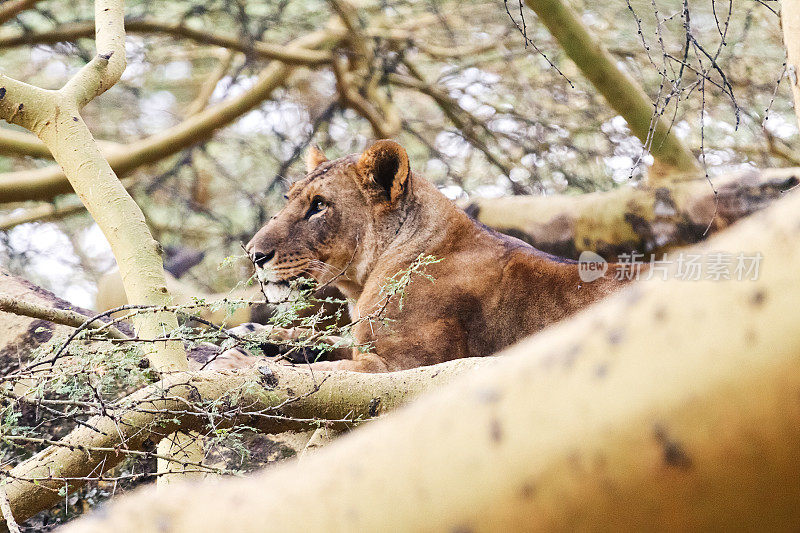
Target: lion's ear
[
  {"x": 314, "y": 158},
  {"x": 385, "y": 164}
]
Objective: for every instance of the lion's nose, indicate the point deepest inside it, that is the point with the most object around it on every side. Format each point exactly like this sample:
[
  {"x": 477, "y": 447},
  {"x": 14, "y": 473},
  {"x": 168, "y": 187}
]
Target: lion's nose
[{"x": 260, "y": 258}]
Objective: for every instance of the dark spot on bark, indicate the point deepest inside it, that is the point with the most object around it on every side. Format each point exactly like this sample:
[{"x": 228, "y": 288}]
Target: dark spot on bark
[
  {"x": 2, "y": 92},
  {"x": 47, "y": 123},
  {"x": 641, "y": 227},
  {"x": 268, "y": 378},
  {"x": 673, "y": 452},
  {"x": 40, "y": 331},
  {"x": 144, "y": 362},
  {"x": 758, "y": 297},
  {"x": 20, "y": 106},
  {"x": 290, "y": 391},
  {"x": 527, "y": 491},
  {"x": 473, "y": 210},
  {"x": 571, "y": 355},
  {"x": 601, "y": 370},
  {"x": 148, "y": 445},
  {"x": 615, "y": 336},
  {"x": 194, "y": 396},
  {"x": 106, "y": 56},
  {"x": 269, "y": 349},
  {"x": 75, "y": 119},
  {"x": 487, "y": 395},
  {"x": 495, "y": 430},
  {"x": 374, "y": 406},
  {"x": 664, "y": 205},
  {"x": 660, "y": 313},
  {"x": 633, "y": 295}
]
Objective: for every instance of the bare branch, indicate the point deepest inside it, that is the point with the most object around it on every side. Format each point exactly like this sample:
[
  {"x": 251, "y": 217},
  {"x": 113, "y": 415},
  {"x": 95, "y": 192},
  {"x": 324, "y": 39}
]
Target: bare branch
[{"x": 57, "y": 316}]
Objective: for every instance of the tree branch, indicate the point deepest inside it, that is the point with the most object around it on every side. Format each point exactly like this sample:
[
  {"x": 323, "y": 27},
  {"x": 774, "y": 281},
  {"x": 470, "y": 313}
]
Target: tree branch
[
  {"x": 46, "y": 183},
  {"x": 647, "y": 220},
  {"x": 621, "y": 92},
  {"x": 790, "y": 21},
  {"x": 263, "y": 50},
  {"x": 57, "y": 316},
  {"x": 12, "y": 8},
  {"x": 168, "y": 406}
]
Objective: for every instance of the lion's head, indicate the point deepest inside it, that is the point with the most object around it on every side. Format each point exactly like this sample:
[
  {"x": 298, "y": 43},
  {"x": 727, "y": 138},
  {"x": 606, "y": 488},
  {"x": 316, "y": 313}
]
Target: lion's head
[{"x": 337, "y": 219}]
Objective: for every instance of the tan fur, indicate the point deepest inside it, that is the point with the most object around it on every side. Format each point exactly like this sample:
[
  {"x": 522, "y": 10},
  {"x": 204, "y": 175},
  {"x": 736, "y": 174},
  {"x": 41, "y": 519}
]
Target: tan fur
[{"x": 490, "y": 290}]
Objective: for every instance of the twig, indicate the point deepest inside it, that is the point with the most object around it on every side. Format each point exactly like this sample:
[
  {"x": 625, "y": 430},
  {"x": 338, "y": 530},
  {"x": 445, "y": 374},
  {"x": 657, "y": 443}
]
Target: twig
[{"x": 5, "y": 507}]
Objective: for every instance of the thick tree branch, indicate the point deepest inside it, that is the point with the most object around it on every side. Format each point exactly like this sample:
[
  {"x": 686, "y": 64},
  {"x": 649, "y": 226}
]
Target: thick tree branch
[
  {"x": 646, "y": 219},
  {"x": 270, "y": 398}
]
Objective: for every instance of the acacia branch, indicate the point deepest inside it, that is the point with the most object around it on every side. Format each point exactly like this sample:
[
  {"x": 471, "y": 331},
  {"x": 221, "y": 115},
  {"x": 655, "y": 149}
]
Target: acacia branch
[
  {"x": 621, "y": 92},
  {"x": 302, "y": 399},
  {"x": 260, "y": 49},
  {"x": 203, "y": 96},
  {"x": 465, "y": 122},
  {"x": 12, "y": 8},
  {"x": 57, "y": 316},
  {"x": 54, "y": 117},
  {"x": 48, "y": 182},
  {"x": 649, "y": 220}
]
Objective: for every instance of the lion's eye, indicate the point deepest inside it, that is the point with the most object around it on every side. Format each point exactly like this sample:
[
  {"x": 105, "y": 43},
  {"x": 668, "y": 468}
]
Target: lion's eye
[{"x": 318, "y": 205}]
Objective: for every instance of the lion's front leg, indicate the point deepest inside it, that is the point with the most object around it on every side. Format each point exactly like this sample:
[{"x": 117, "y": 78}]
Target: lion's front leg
[
  {"x": 272, "y": 342},
  {"x": 360, "y": 363}
]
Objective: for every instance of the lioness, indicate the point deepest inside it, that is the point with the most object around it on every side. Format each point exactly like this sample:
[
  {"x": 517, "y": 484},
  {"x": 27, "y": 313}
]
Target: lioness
[{"x": 358, "y": 220}]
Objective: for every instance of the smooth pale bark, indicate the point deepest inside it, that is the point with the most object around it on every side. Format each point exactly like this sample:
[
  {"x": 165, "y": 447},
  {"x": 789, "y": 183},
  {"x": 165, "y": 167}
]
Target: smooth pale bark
[
  {"x": 790, "y": 21},
  {"x": 619, "y": 89},
  {"x": 672, "y": 405}
]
